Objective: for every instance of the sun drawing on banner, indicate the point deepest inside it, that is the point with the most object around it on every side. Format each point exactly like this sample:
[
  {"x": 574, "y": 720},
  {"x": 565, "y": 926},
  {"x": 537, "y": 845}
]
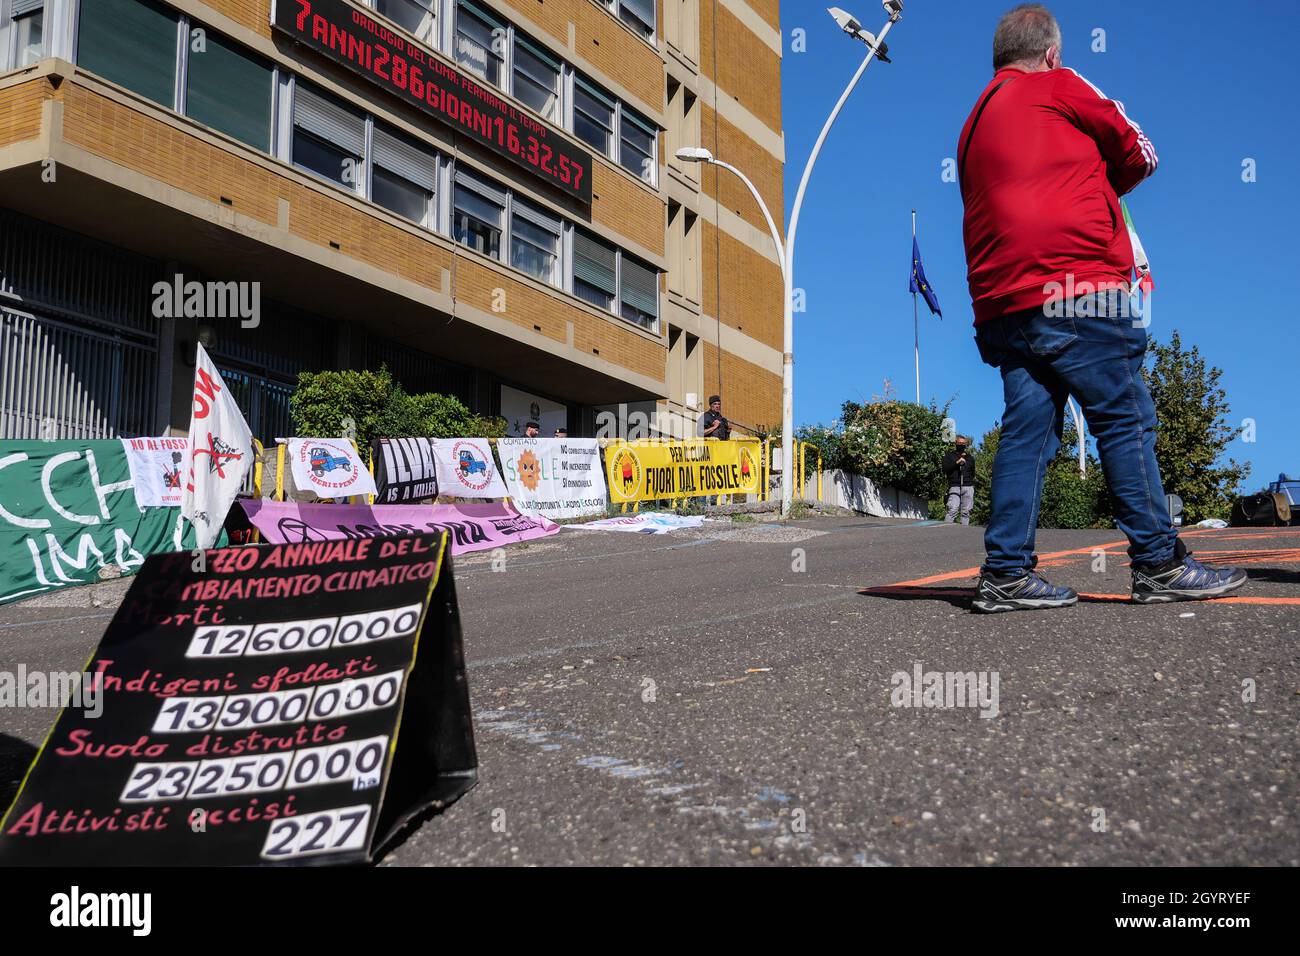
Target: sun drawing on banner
[{"x": 530, "y": 470}]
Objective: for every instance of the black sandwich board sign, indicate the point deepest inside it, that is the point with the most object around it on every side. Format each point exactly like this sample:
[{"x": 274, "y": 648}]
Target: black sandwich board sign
[{"x": 284, "y": 704}]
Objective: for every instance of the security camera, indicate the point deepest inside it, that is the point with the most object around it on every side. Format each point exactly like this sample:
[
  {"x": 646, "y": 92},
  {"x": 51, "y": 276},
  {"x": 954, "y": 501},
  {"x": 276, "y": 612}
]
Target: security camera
[{"x": 894, "y": 8}]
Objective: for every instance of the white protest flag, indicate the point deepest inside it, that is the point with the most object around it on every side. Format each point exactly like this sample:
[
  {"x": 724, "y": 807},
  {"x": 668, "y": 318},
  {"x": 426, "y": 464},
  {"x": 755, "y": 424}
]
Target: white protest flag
[{"x": 220, "y": 454}]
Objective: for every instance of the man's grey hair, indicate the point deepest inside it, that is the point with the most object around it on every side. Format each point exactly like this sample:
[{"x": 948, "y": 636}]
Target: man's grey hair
[{"x": 1024, "y": 34}]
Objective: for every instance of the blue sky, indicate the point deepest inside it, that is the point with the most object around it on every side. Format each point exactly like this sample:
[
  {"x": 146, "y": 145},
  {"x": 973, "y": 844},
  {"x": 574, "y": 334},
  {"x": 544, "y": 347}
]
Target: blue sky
[{"x": 1223, "y": 252}]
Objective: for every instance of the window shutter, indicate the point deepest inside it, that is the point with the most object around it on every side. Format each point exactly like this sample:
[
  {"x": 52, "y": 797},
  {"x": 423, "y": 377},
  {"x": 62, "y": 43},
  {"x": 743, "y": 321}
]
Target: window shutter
[
  {"x": 644, "y": 125},
  {"x": 329, "y": 120},
  {"x": 537, "y": 217},
  {"x": 26, "y": 6},
  {"x": 593, "y": 262},
  {"x": 644, "y": 10},
  {"x": 598, "y": 95},
  {"x": 484, "y": 189},
  {"x": 640, "y": 286},
  {"x": 404, "y": 158}
]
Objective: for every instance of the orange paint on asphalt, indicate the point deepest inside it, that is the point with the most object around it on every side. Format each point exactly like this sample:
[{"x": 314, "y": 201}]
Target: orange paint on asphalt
[
  {"x": 916, "y": 586},
  {"x": 920, "y": 592}
]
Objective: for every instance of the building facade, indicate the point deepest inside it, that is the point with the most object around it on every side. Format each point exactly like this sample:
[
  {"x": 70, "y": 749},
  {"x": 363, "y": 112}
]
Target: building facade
[{"x": 481, "y": 195}]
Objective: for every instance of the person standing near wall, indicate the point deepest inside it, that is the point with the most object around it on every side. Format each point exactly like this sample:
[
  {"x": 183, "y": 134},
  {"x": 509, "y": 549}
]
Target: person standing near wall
[{"x": 959, "y": 467}]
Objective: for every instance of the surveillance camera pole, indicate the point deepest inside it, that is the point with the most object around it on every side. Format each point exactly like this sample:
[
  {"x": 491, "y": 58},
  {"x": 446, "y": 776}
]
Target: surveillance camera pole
[{"x": 787, "y": 378}]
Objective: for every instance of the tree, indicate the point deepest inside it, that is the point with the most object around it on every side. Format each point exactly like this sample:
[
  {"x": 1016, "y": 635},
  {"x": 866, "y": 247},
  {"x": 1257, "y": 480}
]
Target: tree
[
  {"x": 1192, "y": 430},
  {"x": 1069, "y": 499},
  {"x": 985, "y": 452}
]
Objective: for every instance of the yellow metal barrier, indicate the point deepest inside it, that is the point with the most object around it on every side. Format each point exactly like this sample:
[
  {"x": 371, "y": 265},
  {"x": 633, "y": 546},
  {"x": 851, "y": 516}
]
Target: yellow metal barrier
[
  {"x": 802, "y": 485},
  {"x": 279, "y": 472}
]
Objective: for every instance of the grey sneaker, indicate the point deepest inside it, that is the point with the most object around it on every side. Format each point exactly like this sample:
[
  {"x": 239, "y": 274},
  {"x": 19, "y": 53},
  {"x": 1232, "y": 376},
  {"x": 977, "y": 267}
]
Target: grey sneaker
[
  {"x": 1183, "y": 579},
  {"x": 1029, "y": 592}
]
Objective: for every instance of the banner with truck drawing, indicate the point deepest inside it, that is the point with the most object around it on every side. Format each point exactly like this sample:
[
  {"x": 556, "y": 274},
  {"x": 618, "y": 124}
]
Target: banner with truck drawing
[
  {"x": 654, "y": 470},
  {"x": 68, "y": 509}
]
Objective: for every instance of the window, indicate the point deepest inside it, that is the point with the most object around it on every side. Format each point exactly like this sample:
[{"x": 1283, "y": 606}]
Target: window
[
  {"x": 637, "y": 150},
  {"x": 329, "y": 139},
  {"x": 638, "y": 14},
  {"x": 132, "y": 43},
  {"x": 480, "y": 42},
  {"x": 28, "y": 26},
  {"x": 417, "y": 17},
  {"x": 229, "y": 91},
  {"x": 595, "y": 270},
  {"x": 534, "y": 241},
  {"x": 593, "y": 117},
  {"x": 638, "y": 292},
  {"x": 536, "y": 80},
  {"x": 403, "y": 176},
  {"x": 478, "y": 210}
]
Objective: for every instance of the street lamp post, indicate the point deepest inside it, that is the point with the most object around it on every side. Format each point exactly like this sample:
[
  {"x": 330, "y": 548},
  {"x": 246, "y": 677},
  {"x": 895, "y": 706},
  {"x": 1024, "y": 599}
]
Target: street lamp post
[{"x": 785, "y": 251}]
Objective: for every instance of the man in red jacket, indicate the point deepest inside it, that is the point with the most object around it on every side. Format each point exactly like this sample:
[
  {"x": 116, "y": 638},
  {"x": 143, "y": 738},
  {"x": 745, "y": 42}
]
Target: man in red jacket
[{"x": 1042, "y": 162}]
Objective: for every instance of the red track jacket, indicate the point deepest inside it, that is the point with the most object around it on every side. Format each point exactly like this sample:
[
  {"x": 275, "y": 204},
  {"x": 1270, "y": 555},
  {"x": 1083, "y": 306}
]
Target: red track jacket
[{"x": 1041, "y": 180}]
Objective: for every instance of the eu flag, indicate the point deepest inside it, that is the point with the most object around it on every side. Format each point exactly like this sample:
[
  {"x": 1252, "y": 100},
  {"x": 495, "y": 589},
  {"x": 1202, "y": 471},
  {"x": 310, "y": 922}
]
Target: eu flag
[{"x": 921, "y": 284}]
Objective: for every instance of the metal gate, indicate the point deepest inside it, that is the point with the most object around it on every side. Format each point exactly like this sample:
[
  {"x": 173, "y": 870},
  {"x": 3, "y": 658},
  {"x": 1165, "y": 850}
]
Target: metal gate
[
  {"x": 59, "y": 381},
  {"x": 78, "y": 341}
]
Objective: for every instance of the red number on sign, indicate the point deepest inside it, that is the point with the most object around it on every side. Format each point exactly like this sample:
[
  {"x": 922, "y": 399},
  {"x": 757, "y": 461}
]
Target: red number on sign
[
  {"x": 512, "y": 139},
  {"x": 399, "y": 72},
  {"x": 379, "y": 64},
  {"x": 578, "y": 172},
  {"x": 417, "y": 83},
  {"x": 565, "y": 173},
  {"x": 546, "y": 158}
]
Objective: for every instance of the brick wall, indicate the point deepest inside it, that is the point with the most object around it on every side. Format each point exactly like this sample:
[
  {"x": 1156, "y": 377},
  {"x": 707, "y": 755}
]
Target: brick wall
[
  {"x": 768, "y": 10},
  {"x": 627, "y": 208},
  {"x": 758, "y": 164},
  {"x": 751, "y": 287},
  {"x": 20, "y": 110},
  {"x": 254, "y": 14},
  {"x": 743, "y": 66},
  {"x": 750, "y": 395}
]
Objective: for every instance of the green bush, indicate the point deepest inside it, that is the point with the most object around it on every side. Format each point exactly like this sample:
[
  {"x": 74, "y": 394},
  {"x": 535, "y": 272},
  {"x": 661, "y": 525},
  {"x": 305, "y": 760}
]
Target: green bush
[
  {"x": 895, "y": 444},
  {"x": 380, "y": 408}
]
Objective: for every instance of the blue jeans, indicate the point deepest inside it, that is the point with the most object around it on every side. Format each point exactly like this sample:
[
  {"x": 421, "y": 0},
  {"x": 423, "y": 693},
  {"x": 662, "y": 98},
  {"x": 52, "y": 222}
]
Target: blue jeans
[{"x": 1088, "y": 348}]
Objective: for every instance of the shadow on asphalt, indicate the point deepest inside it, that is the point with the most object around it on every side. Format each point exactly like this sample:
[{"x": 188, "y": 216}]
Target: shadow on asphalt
[
  {"x": 957, "y": 597},
  {"x": 1273, "y": 575},
  {"x": 15, "y": 757}
]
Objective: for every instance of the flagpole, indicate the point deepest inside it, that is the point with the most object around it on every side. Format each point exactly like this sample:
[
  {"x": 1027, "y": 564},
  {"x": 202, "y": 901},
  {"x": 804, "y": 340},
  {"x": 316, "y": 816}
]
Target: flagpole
[{"x": 916, "y": 328}]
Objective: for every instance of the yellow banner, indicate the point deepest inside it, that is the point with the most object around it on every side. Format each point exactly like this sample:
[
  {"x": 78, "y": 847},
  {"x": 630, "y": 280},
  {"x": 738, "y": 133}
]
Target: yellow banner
[{"x": 650, "y": 470}]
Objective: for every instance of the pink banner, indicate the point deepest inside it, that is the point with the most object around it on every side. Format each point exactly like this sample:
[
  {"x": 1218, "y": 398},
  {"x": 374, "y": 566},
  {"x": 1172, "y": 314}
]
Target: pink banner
[{"x": 477, "y": 527}]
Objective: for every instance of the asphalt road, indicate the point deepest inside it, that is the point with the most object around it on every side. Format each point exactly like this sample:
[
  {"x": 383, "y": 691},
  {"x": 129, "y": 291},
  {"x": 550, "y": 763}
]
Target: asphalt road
[{"x": 723, "y": 696}]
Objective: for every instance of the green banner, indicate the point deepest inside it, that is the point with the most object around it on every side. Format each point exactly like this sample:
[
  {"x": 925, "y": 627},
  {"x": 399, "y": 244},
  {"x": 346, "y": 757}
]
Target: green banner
[{"x": 67, "y": 509}]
